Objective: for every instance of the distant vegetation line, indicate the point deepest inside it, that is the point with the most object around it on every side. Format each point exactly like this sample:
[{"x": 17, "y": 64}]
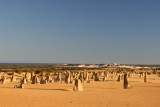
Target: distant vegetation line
[
  {"x": 141, "y": 65},
  {"x": 144, "y": 65}
]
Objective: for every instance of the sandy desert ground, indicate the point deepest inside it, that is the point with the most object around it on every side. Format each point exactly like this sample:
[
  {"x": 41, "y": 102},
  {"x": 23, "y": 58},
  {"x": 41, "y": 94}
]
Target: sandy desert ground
[{"x": 95, "y": 94}]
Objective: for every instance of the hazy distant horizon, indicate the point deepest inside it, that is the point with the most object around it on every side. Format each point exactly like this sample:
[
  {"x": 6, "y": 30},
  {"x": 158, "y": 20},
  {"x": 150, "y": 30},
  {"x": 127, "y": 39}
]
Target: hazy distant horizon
[
  {"x": 41, "y": 63},
  {"x": 85, "y": 31}
]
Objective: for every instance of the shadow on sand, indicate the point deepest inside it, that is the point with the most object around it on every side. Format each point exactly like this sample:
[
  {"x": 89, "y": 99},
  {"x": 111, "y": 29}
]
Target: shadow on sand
[
  {"x": 36, "y": 88},
  {"x": 45, "y": 89}
]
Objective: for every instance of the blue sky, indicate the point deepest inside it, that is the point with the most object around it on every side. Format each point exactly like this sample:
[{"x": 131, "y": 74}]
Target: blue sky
[{"x": 80, "y": 31}]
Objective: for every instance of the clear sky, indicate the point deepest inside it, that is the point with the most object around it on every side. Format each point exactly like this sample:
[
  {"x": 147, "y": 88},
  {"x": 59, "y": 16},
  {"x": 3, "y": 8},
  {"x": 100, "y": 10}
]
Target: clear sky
[{"x": 80, "y": 31}]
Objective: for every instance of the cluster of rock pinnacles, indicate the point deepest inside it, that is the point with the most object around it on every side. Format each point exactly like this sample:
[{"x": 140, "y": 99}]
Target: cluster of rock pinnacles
[{"x": 70, "y": 77}]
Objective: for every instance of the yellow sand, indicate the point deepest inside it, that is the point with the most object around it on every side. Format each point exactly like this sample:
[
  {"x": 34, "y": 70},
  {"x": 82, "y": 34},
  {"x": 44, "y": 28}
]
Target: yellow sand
[{"x": 95, "y": 94}]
